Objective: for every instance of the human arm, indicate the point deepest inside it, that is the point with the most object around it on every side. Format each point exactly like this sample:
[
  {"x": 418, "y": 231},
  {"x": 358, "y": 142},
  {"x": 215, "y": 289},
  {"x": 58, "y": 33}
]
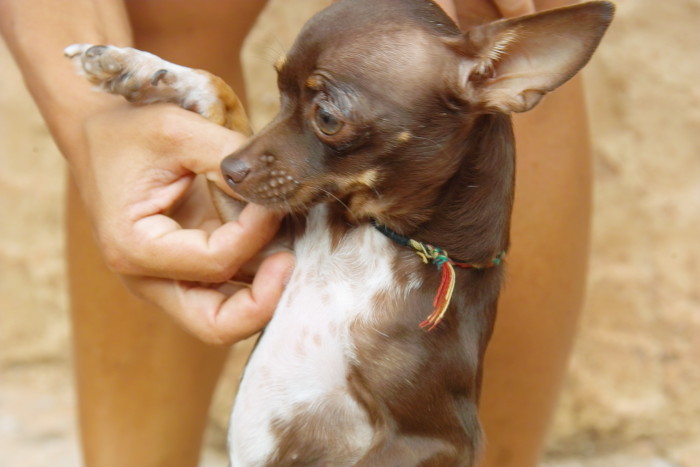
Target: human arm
[{"x": 133, "y": 165}]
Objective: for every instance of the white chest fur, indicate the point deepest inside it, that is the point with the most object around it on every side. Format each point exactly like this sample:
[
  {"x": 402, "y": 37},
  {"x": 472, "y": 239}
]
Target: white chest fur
[{"x": 300, "y": 365}]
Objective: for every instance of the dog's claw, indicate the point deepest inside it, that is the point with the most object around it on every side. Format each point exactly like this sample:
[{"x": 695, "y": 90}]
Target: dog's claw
[
  {"x": 71, "y": 51},
  {"x": 143, "y": 78},
  {"x": 95, "y": 51},
  {"x": 157, "y": 76},
  {"x": 75, "y": 50}
]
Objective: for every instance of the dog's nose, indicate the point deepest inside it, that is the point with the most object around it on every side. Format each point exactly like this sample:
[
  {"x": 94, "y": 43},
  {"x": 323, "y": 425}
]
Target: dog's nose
[{"x": 234, "y": 170}]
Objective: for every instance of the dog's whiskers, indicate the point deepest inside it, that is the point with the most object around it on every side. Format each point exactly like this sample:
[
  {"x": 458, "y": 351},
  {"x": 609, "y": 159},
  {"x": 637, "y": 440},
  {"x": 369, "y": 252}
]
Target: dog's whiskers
[
  {"x": 347, "y": 208},
  {"x": 440, "y": 147}
]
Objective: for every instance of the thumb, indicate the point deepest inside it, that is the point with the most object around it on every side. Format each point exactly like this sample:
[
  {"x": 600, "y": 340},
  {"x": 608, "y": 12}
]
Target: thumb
[
  {"x": 513, "y": 8},
  {"x": 208, "y": 145}
]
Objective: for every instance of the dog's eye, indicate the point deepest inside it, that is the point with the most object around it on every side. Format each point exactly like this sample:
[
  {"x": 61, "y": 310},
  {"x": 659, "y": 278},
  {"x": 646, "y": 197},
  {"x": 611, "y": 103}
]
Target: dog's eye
[{"x": 326, "y": 122}]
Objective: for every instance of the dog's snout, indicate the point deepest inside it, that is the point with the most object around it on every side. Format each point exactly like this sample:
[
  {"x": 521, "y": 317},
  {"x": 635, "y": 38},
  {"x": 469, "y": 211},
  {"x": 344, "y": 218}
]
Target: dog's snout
[{"x": 235, "y": 170}]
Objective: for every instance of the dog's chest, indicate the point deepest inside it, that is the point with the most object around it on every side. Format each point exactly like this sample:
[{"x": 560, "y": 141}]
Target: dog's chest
[{"x": 297, "y": 375}]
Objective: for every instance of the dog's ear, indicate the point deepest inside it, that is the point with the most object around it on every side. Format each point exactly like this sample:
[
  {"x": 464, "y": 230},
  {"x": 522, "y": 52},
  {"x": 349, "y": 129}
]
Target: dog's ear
[{"x": 509, "y": 65}]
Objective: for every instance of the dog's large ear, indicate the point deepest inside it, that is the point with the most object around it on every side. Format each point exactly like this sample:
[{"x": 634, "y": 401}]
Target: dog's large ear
[{"x": 509, "y": 65}]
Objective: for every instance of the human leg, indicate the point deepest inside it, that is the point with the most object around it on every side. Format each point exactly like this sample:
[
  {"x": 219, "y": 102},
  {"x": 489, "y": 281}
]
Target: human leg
[
  {"x": 144, "y": 385},
  {"x": 539, "y": 307}
]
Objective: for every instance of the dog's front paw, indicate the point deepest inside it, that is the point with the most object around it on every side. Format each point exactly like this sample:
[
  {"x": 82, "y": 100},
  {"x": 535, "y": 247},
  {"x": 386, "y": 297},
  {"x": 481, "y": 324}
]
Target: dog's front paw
[
  {"x": 143, "y": 78},
  {"x": 122, "y": 70},
  {"x": 101, "y": 64}
]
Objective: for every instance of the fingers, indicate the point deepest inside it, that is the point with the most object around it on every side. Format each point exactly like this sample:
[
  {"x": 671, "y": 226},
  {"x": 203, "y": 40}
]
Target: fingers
[
  {"x": 143, "y": 162},
  {"x": 213, "y": 316},
  {"x": 512, "y": 8},
  {"x": 156, "y": 245},
  {"x": 141, "y": 171},
  {"x": 206, "y": 156},
  {"x": 164, "y": 136},
  {"x": 470, "y": 12},
  {"x": 254, "y": 306}
]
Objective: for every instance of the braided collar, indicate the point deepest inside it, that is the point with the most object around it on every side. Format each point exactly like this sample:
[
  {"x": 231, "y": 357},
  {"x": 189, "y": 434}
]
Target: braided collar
[{"x": 439, "y": 257}]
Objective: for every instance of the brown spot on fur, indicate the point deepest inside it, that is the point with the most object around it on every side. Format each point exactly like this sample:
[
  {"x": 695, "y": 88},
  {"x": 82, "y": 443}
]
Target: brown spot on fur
[
  {"x": 292, "y": 291},
  {"x": 333, "y": 329},
  {"x": 299, "y": 348},
  {"x": 313, "y": 435},
  {"x": 401, "y": 368}
]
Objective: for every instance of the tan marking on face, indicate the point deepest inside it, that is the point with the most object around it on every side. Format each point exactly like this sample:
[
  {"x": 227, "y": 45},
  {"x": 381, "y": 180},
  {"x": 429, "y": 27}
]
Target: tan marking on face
[
  {"x": 314, "y": 83},
  {"x": 404, "y": 136},
  {"x": 367, "y": 178},
  {"x": 279, "y": 64}
]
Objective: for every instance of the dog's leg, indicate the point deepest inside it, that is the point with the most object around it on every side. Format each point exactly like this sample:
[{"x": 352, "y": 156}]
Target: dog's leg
[{"x": 143, "y": 78}]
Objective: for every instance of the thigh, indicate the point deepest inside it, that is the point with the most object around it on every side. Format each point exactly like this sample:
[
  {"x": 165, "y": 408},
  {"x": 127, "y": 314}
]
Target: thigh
[
  {"x": 539, "y": 307},
  {"x": 205, "y": 34},
  {"x": 143, "y": 384}
]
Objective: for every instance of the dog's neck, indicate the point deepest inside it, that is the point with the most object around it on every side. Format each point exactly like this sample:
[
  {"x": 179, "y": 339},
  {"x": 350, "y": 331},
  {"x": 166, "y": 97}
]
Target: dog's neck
[
  {"x": 469, "y": 215},
  {"x": 472, "y": 217}
]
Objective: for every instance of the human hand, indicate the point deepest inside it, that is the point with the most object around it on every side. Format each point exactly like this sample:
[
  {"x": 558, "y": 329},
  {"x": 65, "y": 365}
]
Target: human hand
[
  {"x": 510, "y": 8},
  {"x": 469, "y": 11},
  {"x": 157, "y": 228}
]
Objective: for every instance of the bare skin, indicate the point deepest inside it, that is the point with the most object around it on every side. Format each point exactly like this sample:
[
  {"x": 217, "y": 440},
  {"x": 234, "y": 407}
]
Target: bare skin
[
  {"x": 144, "y": 383},
  {"x": 527, "y": 357},
  {"x": 178, "y": 397}
]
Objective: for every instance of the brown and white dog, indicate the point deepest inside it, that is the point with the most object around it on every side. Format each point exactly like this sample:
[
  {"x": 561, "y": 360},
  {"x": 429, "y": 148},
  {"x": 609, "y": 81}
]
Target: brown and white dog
[{"x": 393, "y": 153}]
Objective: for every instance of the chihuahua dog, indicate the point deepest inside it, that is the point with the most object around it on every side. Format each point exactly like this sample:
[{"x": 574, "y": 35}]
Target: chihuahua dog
[{"x": 393, "y": 153}]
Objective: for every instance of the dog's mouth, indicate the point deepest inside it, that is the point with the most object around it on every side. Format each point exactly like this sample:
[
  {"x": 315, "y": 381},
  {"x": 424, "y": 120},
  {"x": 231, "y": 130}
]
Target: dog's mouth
[
  {"x": 281, "y": 191},
  {"x": 284, "y": 193},
  {"x": 266, "y": 183},
  {"x": 278, "y": 189}
]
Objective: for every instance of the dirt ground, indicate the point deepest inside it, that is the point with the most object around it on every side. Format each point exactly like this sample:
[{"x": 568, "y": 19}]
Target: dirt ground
[{"x": 632, "y": 397}]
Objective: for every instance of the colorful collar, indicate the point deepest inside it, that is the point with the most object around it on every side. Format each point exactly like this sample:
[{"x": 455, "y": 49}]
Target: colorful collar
[{"x": 439, "y": 257}]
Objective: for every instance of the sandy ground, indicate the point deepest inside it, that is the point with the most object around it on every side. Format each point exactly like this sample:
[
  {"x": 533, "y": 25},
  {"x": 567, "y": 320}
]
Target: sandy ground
[{"x": 632, "y": 396}]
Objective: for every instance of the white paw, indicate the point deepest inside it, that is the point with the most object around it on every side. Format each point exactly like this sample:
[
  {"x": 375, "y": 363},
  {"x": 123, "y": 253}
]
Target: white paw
[{"x": 141, "y": 77}]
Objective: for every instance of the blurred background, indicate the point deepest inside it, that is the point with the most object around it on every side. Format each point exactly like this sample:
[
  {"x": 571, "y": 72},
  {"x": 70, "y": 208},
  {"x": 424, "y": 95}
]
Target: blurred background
[{"x": 632, "y": 397}]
